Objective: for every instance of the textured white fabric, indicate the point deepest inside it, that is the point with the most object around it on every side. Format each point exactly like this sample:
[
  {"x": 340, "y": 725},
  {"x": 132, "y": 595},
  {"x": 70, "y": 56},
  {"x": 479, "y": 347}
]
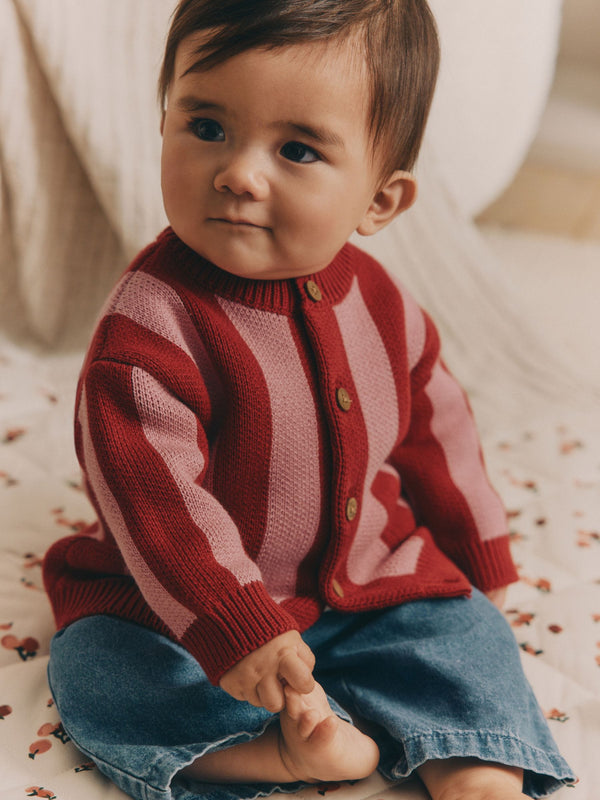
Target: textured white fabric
[
  {"x": 80, "y": 144},
  {"x": 79, "y": 155},
  {"x": 497, "y": 68}
]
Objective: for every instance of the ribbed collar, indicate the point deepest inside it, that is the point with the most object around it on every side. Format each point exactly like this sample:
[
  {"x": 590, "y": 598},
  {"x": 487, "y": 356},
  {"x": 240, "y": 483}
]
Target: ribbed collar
[{"x": 281, "y": 296}]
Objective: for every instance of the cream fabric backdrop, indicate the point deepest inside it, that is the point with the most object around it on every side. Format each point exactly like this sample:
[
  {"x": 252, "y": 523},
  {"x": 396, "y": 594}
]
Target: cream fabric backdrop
[{"x": 79, "y": 141}]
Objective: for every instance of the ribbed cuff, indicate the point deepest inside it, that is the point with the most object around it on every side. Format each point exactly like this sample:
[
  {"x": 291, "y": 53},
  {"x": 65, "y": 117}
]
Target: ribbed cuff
[
  {"x": 234, "y": 628},
  {"x": 488, "y": 565}
]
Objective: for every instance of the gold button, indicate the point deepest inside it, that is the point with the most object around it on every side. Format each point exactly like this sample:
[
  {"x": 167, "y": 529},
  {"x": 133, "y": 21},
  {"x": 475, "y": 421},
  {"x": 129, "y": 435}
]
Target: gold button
[
  {"x": 344, "y": 400},
  {"x": 313, "y": 291},
  {"x": 351, "y": 508},
  {"x": 337, "y": 588}
]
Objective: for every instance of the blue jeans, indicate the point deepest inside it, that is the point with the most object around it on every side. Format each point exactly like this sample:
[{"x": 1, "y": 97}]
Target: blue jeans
[{"x": 433, "y": 679}]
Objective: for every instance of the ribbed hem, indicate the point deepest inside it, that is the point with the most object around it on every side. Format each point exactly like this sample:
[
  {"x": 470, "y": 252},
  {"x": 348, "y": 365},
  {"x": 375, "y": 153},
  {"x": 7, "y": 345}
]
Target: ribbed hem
[
  {"x": 544, "y": 773},
  {"x": 117, "y": 597}
]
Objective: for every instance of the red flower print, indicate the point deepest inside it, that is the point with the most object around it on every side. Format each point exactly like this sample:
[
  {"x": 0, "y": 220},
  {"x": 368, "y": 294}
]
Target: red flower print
[
  {"x": 26, "y": 648},
  {"x": 39, "y": 791},
  {"x": 39, "y": 747},
  {"x": 556, "y": 716},
  {"x": 523, "y": 619},
  {"x": 12, "y": 434}
]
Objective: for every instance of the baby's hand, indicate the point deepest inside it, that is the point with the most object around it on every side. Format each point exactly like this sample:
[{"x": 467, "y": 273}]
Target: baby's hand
[
  {"x": 497, "y": 597},
  {"x": 260, "y": 676}
]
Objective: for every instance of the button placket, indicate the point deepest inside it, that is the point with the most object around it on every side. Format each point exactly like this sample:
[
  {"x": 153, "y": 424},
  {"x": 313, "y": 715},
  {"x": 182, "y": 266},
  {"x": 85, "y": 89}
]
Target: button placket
[{"x": 334, "y": 372}]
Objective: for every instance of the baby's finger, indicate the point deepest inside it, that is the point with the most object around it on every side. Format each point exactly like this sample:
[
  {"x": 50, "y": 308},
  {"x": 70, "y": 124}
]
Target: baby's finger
[
  {"x": 293, "y": 670},
  {"x": 232, "y": 687},
  {"x": 497, "y": 597},
  {"x": 270, "y": 694},
  {"x": 240, "y": 690},
  {"x": 306, "y": 654},
  {"x": 250, "y": 695}
]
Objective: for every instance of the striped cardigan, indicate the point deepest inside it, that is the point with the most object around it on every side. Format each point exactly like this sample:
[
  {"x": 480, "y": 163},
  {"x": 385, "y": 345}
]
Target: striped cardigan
[{"x": 257, "y": 450}]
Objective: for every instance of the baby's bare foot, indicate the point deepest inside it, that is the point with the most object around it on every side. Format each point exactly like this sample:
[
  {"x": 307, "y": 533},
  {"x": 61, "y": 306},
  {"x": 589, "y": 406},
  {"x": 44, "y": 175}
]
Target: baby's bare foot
[{"x": 317, "y": 746}]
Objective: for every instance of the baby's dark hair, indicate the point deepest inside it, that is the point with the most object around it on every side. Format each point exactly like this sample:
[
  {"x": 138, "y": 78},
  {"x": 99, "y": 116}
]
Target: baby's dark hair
[{"x": 400, "y": 43}]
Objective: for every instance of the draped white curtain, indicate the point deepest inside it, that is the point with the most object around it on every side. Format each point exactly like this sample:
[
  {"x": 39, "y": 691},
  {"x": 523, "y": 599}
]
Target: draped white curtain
[{"x": 79, "y": 155}]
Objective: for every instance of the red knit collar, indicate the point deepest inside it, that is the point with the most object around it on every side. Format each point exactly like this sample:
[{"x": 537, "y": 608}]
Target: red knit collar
[{"x": 281, "y": 296}]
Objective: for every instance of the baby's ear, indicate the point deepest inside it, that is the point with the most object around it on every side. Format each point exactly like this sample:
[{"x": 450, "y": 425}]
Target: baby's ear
[{"x": 396, "y": 195}]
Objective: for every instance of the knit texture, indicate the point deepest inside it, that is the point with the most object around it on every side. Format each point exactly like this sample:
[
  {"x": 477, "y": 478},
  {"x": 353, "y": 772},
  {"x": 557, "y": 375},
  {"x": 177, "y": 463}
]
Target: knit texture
[{"x": 236, "y": 494}]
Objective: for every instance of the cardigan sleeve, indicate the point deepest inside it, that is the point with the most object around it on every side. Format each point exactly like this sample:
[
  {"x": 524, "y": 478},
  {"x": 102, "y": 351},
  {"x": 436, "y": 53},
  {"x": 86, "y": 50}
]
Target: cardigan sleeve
[
  {"x": 444, "y": 475},
  {"x": 145, "y": 455}
]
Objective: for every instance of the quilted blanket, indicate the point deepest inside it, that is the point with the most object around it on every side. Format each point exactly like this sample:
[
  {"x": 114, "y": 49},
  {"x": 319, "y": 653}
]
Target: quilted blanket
[{"x": 546, "y": 468}]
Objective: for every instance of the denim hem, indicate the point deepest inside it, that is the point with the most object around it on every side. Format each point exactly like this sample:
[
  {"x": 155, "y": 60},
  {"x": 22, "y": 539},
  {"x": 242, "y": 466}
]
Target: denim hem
[
  {"x": 157, "y": 784},
  {"x": 166, "y": 768},
  {"x": 246, "y": 791},
  {"x": 544, "y": 773},
  {"x": 128, "y": 782}
]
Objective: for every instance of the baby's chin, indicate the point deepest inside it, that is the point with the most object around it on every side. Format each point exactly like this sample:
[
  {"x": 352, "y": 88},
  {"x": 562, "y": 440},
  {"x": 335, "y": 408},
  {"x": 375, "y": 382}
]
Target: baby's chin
[
  {"x": 252, "y": 256},
  {"x": 256, "y": 271}
]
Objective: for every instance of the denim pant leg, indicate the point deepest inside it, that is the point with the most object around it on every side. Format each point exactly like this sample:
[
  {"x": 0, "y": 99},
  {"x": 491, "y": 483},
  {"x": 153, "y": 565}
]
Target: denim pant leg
[
  {"x": 433, "y": 678},
  {"x": 437, "y": 679},
  {"x": 141, "y": 708}
]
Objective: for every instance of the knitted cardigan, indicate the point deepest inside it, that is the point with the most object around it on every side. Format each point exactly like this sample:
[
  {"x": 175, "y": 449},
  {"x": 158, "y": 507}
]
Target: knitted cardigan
[{"x": 257, "y": 450}]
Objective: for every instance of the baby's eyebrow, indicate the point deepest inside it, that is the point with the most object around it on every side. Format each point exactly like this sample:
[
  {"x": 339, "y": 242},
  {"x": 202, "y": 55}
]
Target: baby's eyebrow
[
  {"x": 193, "y": 105},
  {"x": 318, "y": 133}
]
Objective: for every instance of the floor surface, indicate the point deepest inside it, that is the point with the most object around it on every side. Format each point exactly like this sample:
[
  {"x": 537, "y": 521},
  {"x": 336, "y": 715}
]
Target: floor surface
[{"x": 557, "y": 190}]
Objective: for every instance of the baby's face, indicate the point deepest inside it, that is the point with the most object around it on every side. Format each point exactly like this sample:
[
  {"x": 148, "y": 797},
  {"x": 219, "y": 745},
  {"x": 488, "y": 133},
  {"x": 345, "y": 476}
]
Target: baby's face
[{"x": 266, "y": 165}]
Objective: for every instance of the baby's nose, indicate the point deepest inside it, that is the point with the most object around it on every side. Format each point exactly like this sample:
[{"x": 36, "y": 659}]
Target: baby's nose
[{"x": 242, "y": 174}]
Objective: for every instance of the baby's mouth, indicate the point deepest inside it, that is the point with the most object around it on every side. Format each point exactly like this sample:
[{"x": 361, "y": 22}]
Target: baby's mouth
[{"x": 238, "y": 222}]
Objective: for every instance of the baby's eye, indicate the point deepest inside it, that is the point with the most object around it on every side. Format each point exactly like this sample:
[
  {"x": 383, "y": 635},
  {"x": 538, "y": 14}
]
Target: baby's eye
[
  {"x": 207, "y": 130},
  {"x": 300, "y": 153}
]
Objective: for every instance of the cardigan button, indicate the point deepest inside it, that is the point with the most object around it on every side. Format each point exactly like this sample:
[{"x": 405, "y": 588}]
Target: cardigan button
[
  {"x": 344, "y": 400},
  {"x": 313, "y": 291},
  {"x": 351, "y": 508},
  {"x": 335, "y": 585}
]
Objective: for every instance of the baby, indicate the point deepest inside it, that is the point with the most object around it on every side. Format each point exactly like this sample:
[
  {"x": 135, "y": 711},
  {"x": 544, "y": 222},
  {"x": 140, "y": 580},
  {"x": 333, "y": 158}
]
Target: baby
[{"x": 293, "y": 513}]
